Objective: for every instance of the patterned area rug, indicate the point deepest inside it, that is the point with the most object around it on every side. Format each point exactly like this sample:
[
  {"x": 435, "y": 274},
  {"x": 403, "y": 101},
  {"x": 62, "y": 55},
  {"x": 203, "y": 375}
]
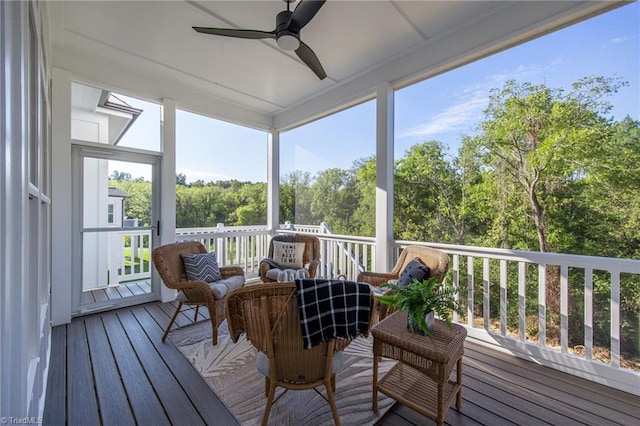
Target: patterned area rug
[{"x": 229, "y": 368}]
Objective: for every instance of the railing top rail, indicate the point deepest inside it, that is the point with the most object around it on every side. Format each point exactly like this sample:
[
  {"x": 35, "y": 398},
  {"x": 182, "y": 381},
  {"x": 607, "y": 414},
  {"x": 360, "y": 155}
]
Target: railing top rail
[
  {"x": 336, "y": 237},
  {"x": 223, "y": 234},
  {"x": 180, "y": 231},
  {"x": 575, "y": 260}
]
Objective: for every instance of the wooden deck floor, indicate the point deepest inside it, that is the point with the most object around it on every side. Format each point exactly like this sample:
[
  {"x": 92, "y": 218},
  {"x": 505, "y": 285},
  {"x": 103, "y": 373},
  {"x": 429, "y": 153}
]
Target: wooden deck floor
[
  {"x": 112, "y": 369},
  {"x": 116, "y": 292}
]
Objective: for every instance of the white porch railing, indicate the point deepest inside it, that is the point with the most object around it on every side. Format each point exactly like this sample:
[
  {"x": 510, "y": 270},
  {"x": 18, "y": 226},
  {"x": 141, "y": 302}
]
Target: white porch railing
[
  {"x": 343, "y": 255},
  {"x": 135, "y": 261},
  {"x": 494, "y": 270},
  {"x": 478, "y": 272},
  {"x": 243, "y": 246}
]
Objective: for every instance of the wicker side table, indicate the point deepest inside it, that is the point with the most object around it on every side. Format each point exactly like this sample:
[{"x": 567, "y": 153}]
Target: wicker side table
[{"x": 420, "y": 359}]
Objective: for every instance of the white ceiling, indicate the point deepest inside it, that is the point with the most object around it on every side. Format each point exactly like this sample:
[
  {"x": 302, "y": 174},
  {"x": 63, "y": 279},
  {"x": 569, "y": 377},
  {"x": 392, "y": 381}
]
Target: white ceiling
[{"x": 149, "y": 47}]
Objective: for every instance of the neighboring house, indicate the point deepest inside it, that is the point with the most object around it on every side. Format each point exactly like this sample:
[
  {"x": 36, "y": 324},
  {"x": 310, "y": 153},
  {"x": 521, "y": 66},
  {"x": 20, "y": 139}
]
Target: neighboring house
[
  {"x": 115, "y": 207},
  {"x": 101, "y": 117}
]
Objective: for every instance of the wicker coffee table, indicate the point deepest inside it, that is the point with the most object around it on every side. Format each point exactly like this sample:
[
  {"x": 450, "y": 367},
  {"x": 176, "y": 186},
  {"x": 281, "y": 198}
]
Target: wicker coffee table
[{"x": 420, "y": 358}]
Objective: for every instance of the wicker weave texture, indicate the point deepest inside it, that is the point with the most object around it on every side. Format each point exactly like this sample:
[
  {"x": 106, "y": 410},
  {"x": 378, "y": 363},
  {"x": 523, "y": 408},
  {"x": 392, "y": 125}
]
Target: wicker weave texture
[
  {"x": 168, "y": 262},
  {"x": 268, "y": 315},
  {"x": 436, "y": 260},
  {"x": 420, "y": 357}
]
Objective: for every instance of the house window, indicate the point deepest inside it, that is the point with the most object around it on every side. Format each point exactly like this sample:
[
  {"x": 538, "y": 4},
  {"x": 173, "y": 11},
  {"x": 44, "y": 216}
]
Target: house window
[{"x": 110, "y": 214}]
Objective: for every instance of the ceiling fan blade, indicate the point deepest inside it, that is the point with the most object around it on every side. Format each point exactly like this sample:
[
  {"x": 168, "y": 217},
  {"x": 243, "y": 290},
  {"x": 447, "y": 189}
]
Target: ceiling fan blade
[
  {"x": 305, "y": 53},
  {"x": 304, "y": 12},
  {"x": 230, "y": 32}
]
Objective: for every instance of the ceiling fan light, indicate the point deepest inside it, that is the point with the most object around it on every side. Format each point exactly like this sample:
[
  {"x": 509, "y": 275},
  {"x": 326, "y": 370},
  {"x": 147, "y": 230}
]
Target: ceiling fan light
[{"x": 288, "y": 42}]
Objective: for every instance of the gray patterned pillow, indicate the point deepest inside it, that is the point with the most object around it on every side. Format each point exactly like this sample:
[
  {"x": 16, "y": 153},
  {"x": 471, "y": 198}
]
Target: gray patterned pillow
[
  {"x": 201, "y": 267},
  {"x": 415, "y": 270}
]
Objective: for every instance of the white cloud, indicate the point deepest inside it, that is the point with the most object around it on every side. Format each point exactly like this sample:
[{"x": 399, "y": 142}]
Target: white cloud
[
  {"x": 456, "y": 117},
  {"x": 619, "y": 39}
]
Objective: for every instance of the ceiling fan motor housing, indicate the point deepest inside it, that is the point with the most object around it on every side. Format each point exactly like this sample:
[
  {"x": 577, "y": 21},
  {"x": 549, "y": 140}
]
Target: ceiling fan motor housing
[{"x": 287, "y": 36}]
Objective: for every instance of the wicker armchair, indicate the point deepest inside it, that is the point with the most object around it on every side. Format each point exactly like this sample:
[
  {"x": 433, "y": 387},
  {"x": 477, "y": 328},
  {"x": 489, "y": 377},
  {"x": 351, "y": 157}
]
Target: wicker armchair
[
  {"x": 268, "y": 314},
  {"x": 310, "y": 258},
  {"x": 169, "y": 265},
  {"x": 436, "y": 260}
]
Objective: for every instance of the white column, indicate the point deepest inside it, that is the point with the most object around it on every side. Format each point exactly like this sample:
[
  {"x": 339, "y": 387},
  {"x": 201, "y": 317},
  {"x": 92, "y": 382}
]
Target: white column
[
  {"x": 61, "y": 231},
  {"x": 14, "y": 216},
  {"x": 167, "y": 201},
  {"x": 384, "y": 176},
  {"x": 273, "y": 180}
]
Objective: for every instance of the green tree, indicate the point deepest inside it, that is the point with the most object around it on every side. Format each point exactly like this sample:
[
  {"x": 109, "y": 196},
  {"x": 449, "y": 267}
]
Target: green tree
[
  {"x": 363, "y": 220},
  {"x": 295, "y": 198},
  {"x": 335, "y": 198},
  {"x": 427, "y": 196},
  {"x": 539, "y": 136},
  {"x": 138, "y": 203}
]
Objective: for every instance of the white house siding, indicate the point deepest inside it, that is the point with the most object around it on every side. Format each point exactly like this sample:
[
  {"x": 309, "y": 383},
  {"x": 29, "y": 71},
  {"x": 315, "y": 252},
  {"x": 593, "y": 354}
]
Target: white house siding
[
  {"x": 95, "y": 246},
  {"x": 25, "y": 210}
]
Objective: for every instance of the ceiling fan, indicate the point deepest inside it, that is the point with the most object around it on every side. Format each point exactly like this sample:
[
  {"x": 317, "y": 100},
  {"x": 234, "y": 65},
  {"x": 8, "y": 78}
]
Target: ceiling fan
[{"x": 286, "y": 34}]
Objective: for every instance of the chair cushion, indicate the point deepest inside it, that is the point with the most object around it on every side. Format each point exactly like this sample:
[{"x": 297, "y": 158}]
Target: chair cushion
[
  {"x": 262, "y": 363},
  {"x": 287, "y": 274},
  {"x": 219, "y": 288},
  {"x": 288, "y": 255},
  {"x": 201, "y": 267},
  {"x": 223, "y": 287},
  {"x": 415, "y": 270}
]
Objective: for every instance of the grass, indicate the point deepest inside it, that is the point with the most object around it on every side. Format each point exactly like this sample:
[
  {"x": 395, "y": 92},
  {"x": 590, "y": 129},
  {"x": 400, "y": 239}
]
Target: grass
[{"x": 134, "y": 263}]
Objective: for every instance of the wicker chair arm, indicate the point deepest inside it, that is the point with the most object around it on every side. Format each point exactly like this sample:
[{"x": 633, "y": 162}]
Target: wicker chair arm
[
  {"x": 263, "y": 269},
  {"x": 376, "y": 279},
  {"x": 196, "y": 291},
  {"x": 230, "y": 271},
  {"x": 313, "y": 268}
]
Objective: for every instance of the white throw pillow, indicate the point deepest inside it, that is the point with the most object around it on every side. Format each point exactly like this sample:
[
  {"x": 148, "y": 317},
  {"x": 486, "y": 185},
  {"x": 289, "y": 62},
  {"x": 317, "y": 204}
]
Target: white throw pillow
[{"x": 288, "y": 255}]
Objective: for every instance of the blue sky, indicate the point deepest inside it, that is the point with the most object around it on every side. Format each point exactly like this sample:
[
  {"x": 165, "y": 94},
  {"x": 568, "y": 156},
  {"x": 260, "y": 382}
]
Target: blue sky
[{"x": 442, "y": 108}]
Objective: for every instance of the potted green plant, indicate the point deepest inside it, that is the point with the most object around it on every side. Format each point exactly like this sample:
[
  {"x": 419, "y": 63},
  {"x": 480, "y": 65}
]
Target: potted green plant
[{"x": 422, "y": 299}]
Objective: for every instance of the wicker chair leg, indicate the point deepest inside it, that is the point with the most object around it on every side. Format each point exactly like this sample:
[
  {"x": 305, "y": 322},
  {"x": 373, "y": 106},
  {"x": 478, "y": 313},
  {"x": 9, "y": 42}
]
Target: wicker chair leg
[
  {"x": 459, "y": 380},
  {"x": 173, "y": 318},
  {"x": 195, "y": 316},
  {"x": 441, "y": 413},
  {"x": 383, "y": 312},
  {"x": 332, "y": 403},
  {"x": 267, "y": 384},
  {"x": 333, "y": 382},
  {"x": 267, "y": 409},
  {"x": 214, "y": 332}
]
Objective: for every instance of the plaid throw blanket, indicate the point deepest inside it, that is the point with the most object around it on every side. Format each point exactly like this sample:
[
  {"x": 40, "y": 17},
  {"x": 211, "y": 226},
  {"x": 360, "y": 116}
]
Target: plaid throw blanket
[{"x": 332, "y": 309}]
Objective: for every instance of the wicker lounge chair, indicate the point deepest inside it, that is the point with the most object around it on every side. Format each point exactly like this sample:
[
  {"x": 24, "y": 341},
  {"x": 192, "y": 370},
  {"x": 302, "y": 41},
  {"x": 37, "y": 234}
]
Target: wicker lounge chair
[
  {"x": 268, "y": 314},
  {"x": 436, "y": 260},
  {"x": 310, "y": 258},
  {"x": 168, "y": 261}
]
